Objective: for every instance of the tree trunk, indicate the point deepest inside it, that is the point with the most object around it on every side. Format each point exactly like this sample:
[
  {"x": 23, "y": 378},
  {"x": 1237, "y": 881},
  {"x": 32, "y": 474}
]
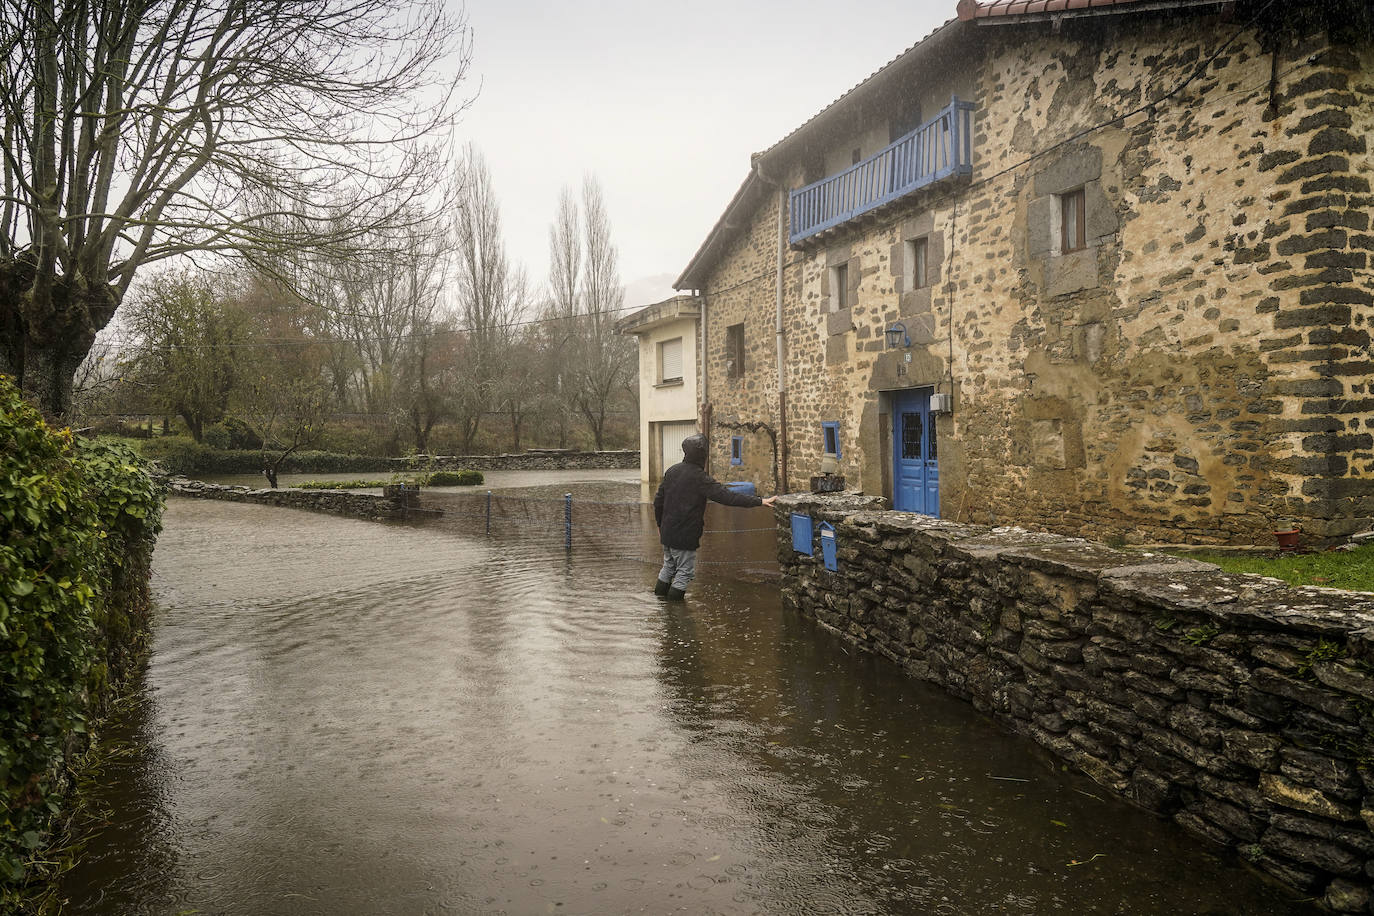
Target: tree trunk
[
  {"x": 46, "y": 378},
  {"x": 46, "y": 330},
  {"x": 193, "y": 423}
]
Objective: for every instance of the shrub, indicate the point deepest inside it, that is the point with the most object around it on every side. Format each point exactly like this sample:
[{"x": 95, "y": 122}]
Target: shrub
[
  {"x": 453, "y": 479},
  {"x": 79, "y": 518},
  {"x": 233, "y": 433}
]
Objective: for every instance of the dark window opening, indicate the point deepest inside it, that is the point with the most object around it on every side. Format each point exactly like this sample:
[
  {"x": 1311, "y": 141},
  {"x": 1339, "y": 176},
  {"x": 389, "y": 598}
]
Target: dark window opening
[
  {"x": 904, "y": 123},
  {"x": 920, "y": 263},
  {"x": 830, "y": 431},
  {"x": 734, "y": 351},
  {"x": 911, "y": 436},
  {"x": 737, "y": 450},
  {"x": 1072, "y": 212}
]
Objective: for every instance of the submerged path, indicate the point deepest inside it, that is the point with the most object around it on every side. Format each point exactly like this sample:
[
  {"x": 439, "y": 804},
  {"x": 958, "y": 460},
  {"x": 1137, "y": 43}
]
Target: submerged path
[{"x": 344, "y": 717}]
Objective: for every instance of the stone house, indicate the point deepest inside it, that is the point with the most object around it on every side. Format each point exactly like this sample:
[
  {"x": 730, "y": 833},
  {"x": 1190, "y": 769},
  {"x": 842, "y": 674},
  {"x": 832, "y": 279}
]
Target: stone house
[
  {"x": 669, "y": 383},
  {"x": 1101, "y": 269}
]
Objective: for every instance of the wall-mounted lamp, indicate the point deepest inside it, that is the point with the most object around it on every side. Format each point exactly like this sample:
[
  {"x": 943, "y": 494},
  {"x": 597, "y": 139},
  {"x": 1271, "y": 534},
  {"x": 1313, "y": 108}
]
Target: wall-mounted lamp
[{"x": 896, "y": 336}]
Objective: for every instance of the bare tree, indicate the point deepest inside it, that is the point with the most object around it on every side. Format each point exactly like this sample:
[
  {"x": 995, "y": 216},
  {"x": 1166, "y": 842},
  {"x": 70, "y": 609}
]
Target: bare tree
[
  {"x": 98, "y": 377},
  {"x": 137, "y": 131},
  {"x": 490, "y": 292},
  {"x": 282, "y": 391},
  {"x": 380, "y": 309},
  {"x": 602, "y": 360},
  {"x": 516, "y": 392},
  {"x": 565, "y": 296}
]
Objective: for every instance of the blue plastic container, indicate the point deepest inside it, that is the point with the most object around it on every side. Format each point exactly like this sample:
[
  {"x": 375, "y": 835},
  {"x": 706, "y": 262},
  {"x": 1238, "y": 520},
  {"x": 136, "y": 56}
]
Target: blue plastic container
[
  {"x": 801, "y": 534},
  {"x": 741, "y": 486}
]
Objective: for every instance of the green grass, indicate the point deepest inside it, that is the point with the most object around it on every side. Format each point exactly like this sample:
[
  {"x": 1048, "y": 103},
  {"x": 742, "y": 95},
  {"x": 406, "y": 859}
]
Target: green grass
[{"x": 1348, "y": 569}]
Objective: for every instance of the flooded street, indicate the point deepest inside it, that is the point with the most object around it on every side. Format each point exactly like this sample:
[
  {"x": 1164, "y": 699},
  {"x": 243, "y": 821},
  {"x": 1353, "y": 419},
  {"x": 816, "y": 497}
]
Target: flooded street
[{"x": 347, "y": 717}]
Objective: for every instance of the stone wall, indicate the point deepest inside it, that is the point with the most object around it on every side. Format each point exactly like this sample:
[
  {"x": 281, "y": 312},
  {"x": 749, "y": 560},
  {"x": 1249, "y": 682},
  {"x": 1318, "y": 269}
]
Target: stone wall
[
  {"x": 336, "y": 502},
  {"x": 1198, "y": 372},
  {"x": 526, "y": 461},
  {"x": 1238, "y": 706},
  {"x": 742, "y": 292}
]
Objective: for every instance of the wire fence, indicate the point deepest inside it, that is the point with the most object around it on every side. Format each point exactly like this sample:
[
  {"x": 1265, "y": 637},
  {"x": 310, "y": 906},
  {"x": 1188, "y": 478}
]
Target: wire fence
[{"x": 620, "y": 531}]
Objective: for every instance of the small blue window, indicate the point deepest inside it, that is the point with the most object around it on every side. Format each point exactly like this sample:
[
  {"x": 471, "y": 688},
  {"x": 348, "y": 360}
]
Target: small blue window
[
  {"x": 831, "y": 432},
  {"x": 737, "y": 450},
  {"x": 801, "y": 534}
]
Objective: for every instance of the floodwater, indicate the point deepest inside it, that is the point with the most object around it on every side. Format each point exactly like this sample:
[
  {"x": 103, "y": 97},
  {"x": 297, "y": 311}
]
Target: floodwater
[{"x": 346, "y": 717}]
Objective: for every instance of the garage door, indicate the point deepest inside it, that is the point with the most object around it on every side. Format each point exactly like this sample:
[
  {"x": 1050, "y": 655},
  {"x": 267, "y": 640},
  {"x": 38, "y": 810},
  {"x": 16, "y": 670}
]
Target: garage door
[{"x": 671, "y": 436}]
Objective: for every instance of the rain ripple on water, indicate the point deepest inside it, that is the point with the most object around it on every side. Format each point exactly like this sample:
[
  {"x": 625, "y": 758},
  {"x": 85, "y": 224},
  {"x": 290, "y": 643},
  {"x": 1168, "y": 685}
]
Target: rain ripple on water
[{"x": 344, "y": 717}]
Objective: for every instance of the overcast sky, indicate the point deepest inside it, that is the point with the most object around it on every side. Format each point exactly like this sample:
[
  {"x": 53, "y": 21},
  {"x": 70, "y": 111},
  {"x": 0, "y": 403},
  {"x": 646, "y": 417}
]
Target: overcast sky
[{"x": 664, "y": 102}]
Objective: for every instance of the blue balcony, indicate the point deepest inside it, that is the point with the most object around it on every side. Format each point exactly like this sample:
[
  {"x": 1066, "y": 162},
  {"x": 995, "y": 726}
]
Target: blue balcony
[{"x": 938, "y": 149}]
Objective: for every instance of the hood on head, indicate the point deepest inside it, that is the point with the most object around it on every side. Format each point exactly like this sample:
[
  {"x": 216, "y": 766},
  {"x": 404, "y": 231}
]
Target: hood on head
[{"x": 694, "y": 450}]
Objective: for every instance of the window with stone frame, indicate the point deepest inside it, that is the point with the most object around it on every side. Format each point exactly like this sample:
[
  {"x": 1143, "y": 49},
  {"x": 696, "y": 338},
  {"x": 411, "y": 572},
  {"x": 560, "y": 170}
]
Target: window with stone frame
[
  {"x": 830, "y": 438},
  {"x": 734, "y": 351},
  {"x": 737, "y": 450},
  {"x": 839, "y": 288},
  {"x": 1073, "y": 221},
  {"x": 918, "y": 262}
]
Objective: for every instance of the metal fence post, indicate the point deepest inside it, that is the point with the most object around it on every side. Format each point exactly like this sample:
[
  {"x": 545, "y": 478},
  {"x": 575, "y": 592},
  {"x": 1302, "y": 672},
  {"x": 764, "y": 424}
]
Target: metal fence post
[
  {"x": 567, "y": 521},
  {"x": 488, "y": 512}
]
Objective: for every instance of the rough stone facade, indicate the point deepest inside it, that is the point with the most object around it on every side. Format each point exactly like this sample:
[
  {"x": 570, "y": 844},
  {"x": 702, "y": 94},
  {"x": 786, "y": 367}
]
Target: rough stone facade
[
  {"x": 1199, "y": 371},
  {"x": 1238, "y": 706},
  {"x": 744, "y": 399}
]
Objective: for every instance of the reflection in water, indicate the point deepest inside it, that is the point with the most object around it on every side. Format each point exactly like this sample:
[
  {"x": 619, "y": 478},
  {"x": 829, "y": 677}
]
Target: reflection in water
[{"x": 344, "y": 717}]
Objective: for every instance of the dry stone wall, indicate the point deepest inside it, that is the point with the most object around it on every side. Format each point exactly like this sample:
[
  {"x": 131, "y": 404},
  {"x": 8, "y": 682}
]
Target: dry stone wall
[
  {"x": 526, "y": 461},
  {"x": 1236, "y": 705},
  {"x": 336, "y": 502}
]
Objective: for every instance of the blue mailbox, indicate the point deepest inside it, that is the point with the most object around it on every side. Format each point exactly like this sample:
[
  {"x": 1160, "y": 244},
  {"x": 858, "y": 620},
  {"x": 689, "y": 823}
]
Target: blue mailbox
[
  {"x": 828, "y": 546},
  {"x": 801, "y": 534}
]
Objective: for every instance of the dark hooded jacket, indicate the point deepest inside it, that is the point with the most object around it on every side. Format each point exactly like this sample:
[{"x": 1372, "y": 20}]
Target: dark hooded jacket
[{"x": 680, "y": 503}]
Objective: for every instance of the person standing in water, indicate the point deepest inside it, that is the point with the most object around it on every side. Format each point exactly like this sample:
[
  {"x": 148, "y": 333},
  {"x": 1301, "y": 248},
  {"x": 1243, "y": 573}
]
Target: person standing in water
[{"x": 680, "y": 511}]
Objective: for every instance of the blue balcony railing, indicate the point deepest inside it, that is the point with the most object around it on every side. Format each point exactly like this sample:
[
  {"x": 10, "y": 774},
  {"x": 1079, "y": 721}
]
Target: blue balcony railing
[{"x": 938, "y": 149}]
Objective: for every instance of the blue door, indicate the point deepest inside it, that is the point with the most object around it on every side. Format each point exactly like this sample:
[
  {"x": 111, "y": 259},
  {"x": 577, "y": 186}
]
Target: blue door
[{"x": 915, "y": 468}]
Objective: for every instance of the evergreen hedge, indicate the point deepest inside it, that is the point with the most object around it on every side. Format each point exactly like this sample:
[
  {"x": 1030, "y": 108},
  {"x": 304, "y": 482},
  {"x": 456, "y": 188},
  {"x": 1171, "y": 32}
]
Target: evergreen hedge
[{"x": 78, "y": 520}]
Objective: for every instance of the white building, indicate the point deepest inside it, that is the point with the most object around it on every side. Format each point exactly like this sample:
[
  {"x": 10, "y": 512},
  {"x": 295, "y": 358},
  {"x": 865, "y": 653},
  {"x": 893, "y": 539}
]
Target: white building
[{"x": 669, "y": 386}]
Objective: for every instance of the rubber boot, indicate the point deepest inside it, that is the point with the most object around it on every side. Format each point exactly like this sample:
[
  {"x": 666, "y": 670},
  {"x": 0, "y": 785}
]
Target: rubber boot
[
  {"x": 675, "y": 594},
  {"x": 661, "y": 588}
]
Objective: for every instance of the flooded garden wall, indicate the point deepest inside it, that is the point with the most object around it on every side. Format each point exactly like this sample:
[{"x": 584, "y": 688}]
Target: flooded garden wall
[
  {"x": 1239, "y": 706},
  {"x": 337, "y": 502}
]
